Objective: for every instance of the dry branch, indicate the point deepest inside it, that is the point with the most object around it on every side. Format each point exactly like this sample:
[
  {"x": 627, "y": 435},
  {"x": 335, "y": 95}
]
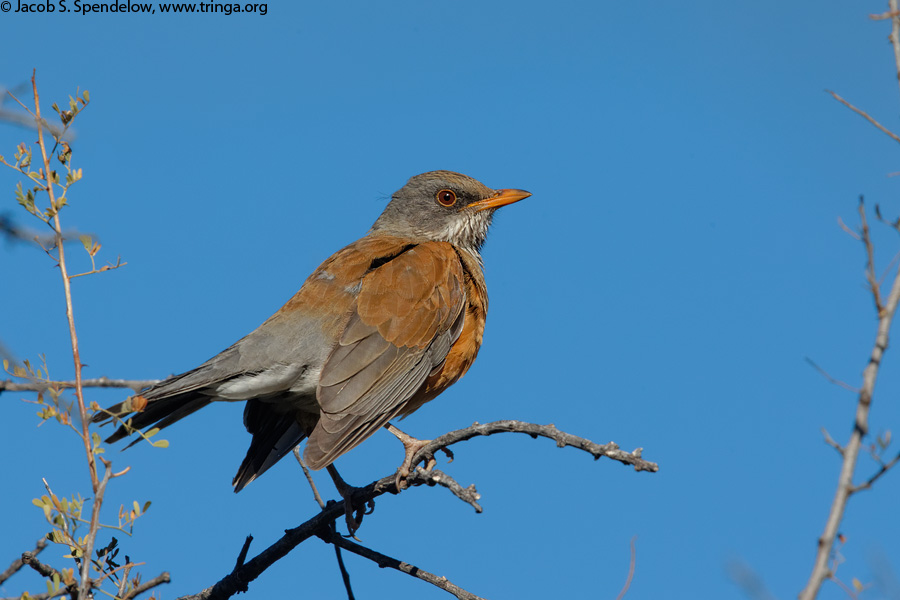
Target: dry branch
[
  {"x": 845, "y": 487},
  {"x": 18, "y": 563},
  {"x": 385, "y": 561},
  {"x": 322, "y": 523},
  {"x": 100, "y": 382}
]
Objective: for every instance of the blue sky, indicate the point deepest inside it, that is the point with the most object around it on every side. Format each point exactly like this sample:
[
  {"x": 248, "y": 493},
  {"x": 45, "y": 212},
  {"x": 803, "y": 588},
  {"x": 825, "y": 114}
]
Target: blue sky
[{"x": 679, "y": 259}]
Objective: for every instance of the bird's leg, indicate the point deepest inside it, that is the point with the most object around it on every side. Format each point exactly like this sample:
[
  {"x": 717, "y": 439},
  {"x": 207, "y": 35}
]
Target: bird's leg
[
  {"x": 412, "y": 445},
  {"x": 352, "y": 513}
]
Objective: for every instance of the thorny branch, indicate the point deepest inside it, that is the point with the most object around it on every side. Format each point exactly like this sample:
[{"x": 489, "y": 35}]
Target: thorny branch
[{"x": 323, "y": 522}]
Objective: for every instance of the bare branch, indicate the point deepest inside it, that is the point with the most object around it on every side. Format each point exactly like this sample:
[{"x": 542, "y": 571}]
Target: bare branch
[
  {"x": 345, "y": 575},
  {"x": 469, "y": 495},
  {"x": 830, "y": 379},
  {"x": 156, "y": 581},
  {"x": 821, "y": 571},
  {"x": 885, "y": 467},
  {"x": 830, "y": 441},
  {"x": 309, "y": 479},
  {"x": 100, "y": 382},
  {"x": 18, "y": 563},
  {"x": 847, "y": 230},
  {"x": 385, "y": 561},
  {"x": 871, "y": 277},
  {"x": 866, "y": 116},
  {"x": 630, "y": 571},
  {"x": 239, "y": 578},
  {"x": 610, "y": 450},
  {"x": 30, "y": 559}
]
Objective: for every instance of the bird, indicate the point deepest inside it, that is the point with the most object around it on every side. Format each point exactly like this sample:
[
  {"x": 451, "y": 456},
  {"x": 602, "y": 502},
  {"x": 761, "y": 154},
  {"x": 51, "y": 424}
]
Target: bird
[{"x": 380, "y": 328}]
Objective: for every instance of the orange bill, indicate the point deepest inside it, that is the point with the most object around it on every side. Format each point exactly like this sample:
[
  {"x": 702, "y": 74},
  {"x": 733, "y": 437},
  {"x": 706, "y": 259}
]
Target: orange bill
[{"x": 500, "y": 198}]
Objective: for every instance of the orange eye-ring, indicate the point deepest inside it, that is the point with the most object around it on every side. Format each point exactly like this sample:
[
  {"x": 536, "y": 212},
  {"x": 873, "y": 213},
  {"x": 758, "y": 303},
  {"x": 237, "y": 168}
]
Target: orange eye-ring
[{"x": 446, "y": 197}]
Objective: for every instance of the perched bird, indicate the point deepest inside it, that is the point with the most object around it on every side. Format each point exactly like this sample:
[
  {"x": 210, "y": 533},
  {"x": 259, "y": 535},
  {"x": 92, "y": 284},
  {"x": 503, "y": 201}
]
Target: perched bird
[{"x": 380, "y": 328}]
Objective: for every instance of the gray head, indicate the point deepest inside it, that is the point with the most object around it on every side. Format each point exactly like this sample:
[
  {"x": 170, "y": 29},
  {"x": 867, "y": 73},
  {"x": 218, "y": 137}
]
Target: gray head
[{"x": 444, "y": 206}]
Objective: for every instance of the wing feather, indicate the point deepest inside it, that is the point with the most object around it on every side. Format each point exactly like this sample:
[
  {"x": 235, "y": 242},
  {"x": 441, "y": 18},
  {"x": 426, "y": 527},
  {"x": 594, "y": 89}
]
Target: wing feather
[{"x": 408, "y": 313}]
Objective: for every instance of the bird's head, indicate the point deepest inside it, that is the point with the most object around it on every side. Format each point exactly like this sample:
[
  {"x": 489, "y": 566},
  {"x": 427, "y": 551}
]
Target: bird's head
[{"x": 443, "y": 206}]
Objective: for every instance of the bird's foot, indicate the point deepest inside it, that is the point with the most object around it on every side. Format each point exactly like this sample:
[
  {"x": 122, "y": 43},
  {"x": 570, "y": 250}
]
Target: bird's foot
[
  {"x": 412, "y": 446},
  {"x": 354, "y": 511}
]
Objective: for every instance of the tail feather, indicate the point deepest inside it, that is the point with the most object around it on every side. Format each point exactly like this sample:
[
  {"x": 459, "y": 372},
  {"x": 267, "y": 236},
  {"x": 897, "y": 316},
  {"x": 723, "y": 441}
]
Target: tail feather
[{"x": 274, "y": 435}]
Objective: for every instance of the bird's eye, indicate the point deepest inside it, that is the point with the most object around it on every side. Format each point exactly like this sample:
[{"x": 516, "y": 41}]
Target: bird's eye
[{"x": 446, "y": 197}]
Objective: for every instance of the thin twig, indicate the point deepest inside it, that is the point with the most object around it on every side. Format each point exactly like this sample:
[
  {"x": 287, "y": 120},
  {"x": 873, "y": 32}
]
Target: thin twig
[
  {"x": 345, "y": 574},
  {"x": 630, "y": 571},
  {"x": 469, "y": 495},
  {"x": 137, "y": 385},
  {"x": 159, "y": 580},
  {"x": 385, "y": 561},
  {"x": 884, "y": 469},
  {"x": 309, "y": 478},
  {"x": 847, "y": 230},
  {"x": 871, "y": 277},
  {"x": 830, "y": 379},
  {"x": 884, "y": 16},
  {"x": 242, "y": 555},
  {"x": 126, "y": 573},
  {"x": 866, "y": 116},
  {"x": 830, "y": 441}
]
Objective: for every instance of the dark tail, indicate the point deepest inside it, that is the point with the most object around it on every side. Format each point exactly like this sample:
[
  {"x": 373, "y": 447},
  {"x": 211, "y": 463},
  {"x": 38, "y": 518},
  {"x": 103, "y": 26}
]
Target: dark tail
[{"x": 274, "y": 435}]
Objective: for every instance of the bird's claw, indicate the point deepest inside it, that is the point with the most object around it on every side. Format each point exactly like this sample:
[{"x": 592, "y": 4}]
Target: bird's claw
[{"x": 354, "y": 513}]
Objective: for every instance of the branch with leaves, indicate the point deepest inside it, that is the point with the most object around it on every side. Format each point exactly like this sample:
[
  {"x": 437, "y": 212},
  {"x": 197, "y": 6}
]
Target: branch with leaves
[{"x": 65, "y": 515}]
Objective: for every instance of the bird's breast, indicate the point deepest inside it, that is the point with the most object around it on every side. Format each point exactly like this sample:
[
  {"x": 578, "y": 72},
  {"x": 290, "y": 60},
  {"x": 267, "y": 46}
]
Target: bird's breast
[{"x": 464, "y": 351}]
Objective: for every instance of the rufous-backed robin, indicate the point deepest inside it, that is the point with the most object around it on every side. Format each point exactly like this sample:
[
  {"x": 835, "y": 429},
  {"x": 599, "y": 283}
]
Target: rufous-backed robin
[{"x": 380, "y": 328}]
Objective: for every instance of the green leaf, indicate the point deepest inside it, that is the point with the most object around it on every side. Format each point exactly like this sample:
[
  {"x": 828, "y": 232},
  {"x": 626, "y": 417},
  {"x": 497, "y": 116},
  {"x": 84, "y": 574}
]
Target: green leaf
[
  {"x": 151, "y": 433},
  {"x": 86, "y": 96},
  {"x": 86, "y": 241},
  {"x": 146, "y": 506},
  {"x": 161, "y": 444}
]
